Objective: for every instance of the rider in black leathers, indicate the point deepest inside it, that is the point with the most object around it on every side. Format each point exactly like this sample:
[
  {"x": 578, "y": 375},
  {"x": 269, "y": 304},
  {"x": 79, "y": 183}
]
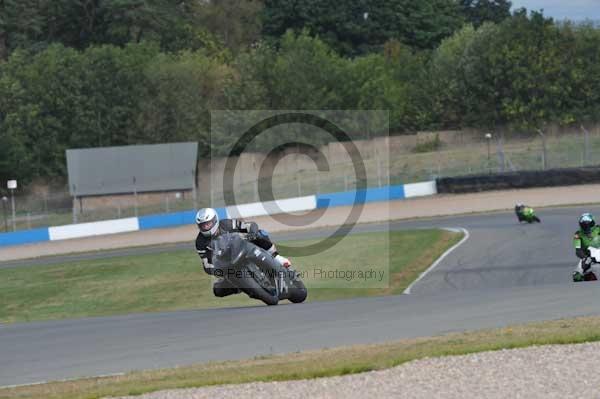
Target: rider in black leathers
[{"x": 211, "y": 227}]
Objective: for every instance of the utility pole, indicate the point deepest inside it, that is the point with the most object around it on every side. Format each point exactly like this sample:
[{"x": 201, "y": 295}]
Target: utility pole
[
  {"x": 544, "y": 151},
  {"x": 135, "y": 197},
  {"x": 586, "y": 145},
  {"x": 488, "y": 137},
  {"x": 12, "y": 186},
  {"x": 194, "y": 190},
  {"x": 74, "y": 204},
  {"x": 4, "y": 205}
]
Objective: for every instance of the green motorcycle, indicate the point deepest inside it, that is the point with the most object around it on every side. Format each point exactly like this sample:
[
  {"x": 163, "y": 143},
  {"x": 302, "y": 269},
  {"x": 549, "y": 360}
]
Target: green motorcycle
[
  {"x": 593, "y": 261},
  {"x": 526, "y": 214}
]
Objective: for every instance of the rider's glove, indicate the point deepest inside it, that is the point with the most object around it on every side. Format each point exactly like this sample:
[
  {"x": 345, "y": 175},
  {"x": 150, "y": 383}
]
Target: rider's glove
[{"x": 252, "y": 236}]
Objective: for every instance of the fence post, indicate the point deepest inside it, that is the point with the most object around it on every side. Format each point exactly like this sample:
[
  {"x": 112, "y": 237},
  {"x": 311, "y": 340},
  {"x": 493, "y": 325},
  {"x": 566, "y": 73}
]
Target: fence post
[
  {"x": 378, "y": 172},
  {"x": 75, "y": 209},
  {"x": 388, "y": 172},
  {"x": 135, "y": 198},
  {"x": 586, "y": 145},
  {"x": 544, "y": 152},
  {"x": 194, "y": 190},
  {"x": 4, "y": 204},
  {"x": 211, "y": 191},
  {"x": 14, "y": 215},
  {"x": 501, "y": 158},
  {"x": 74, "y": 191}
]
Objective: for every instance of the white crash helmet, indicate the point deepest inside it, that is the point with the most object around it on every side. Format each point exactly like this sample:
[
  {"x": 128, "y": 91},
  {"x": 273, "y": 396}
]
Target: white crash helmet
[{"x": 207, "y": 221}]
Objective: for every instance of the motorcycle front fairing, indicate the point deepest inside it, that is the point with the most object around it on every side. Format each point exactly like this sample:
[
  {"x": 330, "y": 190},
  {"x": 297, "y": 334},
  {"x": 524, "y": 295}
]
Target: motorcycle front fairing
[
  {"x": 254, "y": 271},
  {"x": 595, "y": 254},
  {"x": 231, "y": 253},
  {"x": 228, "y": 250},
  {"x": 594, "y": 271}
]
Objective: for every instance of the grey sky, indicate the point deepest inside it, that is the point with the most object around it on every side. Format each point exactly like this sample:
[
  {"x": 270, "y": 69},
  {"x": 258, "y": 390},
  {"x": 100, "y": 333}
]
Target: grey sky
[{"x": 561, "y": 9}]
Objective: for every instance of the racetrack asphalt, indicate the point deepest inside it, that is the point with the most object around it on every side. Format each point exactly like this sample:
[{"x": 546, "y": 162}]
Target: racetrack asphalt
[{"x": 505, "y": 273}]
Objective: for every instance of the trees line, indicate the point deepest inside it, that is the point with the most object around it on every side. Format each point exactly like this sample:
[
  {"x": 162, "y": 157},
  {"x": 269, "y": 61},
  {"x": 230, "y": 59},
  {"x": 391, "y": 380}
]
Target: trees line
[{"x": 128, "y": 72}]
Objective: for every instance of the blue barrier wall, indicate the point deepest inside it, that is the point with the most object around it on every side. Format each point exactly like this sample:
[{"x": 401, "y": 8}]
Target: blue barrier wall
[
  {"x": 24, "y": 237},
  {"x": 173, "y": 219},
  {"x": 388, "y": 193}
]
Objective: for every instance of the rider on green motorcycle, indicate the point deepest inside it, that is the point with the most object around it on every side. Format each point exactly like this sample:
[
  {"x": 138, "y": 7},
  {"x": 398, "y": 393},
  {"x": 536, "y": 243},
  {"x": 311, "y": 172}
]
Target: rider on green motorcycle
[
  {"x": 587, "y": 233},
  {"x": 525, "y": 214}
]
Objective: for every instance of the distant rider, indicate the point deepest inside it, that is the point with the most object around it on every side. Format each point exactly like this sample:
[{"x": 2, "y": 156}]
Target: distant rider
[
  {"x": 525, "y": 213},
  {"x": 588, "y": 231},
  {"x": 211, "y": 227}
]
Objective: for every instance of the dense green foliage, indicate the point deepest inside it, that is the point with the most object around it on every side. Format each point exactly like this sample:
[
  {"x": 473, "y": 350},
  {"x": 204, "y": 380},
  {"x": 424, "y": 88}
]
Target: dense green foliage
[
  {"x": 175, "y": 24},
  {"x": 86, "y": 73},
  {"x": 477, "y": 12},
  {"x": 354, "y": 27}
]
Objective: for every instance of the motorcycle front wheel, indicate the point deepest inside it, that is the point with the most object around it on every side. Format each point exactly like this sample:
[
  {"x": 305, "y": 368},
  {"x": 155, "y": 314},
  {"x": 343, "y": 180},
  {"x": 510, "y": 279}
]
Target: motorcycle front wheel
[
  {"x": 299, "y": 292},
  {"x": 253, "y": 287}
]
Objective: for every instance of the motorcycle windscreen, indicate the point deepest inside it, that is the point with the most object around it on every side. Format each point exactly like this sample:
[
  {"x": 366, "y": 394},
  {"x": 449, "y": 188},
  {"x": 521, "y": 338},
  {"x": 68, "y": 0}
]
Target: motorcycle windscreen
[{"x": 228, "y": 251}]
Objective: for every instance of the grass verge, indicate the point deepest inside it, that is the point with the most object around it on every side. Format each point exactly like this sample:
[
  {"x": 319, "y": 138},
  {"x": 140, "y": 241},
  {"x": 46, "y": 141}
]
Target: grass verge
[
  {"x": 175, "y": 280},
  {"x": 314, "y": 364}
]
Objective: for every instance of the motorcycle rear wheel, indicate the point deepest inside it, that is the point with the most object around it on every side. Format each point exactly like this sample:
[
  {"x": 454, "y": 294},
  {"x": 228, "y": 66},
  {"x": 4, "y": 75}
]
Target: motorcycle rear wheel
[{"x": 590, "y": 276}]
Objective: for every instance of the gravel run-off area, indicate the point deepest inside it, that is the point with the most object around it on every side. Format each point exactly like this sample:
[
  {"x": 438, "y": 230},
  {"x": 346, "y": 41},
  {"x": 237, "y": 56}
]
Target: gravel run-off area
[{"x": 555, "y": 371}]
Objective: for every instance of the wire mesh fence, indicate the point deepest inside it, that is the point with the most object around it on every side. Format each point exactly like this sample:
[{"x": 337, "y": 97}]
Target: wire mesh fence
[{"x": 409, "y": 163}]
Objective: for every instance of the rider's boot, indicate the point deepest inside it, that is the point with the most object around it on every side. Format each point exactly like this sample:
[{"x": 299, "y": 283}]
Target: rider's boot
[
  {"x": 222, "y": 288},
  {"x": 582, "y": 269}
]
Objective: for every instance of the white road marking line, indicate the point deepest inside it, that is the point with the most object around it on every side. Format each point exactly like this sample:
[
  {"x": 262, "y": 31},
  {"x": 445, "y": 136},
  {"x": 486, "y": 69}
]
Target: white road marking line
[
  {"x": 64, "y": 380},
  {"x": 441, "y": 258}
]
